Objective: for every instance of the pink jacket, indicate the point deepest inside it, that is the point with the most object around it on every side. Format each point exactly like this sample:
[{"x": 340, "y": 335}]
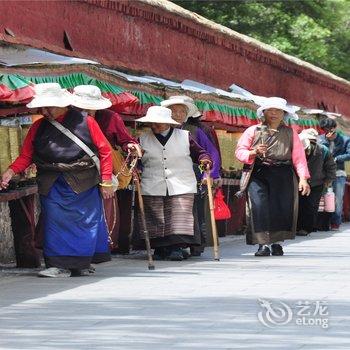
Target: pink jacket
[{"x": 244, "y": 146}]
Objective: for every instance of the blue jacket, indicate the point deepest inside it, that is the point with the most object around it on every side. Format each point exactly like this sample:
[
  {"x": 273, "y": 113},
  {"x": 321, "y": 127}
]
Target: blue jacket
[{"x": 341, "y": 151}]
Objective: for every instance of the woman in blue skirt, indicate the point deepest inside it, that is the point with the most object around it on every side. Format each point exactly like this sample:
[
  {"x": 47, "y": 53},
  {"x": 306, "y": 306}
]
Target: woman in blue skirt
[{"x": 68, "y": 182}]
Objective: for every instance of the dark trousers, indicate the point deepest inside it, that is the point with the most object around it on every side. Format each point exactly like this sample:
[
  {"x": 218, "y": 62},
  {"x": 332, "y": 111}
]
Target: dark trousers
[
  {"x": 199, "y": 211},
  {"x": 308, "y": 209}
]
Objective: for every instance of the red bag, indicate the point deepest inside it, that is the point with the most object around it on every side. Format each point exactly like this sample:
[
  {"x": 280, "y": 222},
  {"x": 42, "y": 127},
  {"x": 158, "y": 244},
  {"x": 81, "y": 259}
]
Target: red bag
[{"x": 221, "y": 209}]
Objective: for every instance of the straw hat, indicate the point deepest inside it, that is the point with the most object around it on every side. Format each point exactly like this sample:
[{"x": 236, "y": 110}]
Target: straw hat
[
  {"x": 50, "y": 95},
  {"x": 306, "y": 136},
  {"x": 193, "y": 110},
  {"x": 158, "y": 114},
  {"x": 179, "y": 100},
  {"x": 89, "y": 97},
  {"x": 274, "y": 102}
]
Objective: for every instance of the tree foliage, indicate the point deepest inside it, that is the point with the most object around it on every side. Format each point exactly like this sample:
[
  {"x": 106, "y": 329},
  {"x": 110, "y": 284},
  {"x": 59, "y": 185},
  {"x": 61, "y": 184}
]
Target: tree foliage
[{"x": 317, "y": 31}]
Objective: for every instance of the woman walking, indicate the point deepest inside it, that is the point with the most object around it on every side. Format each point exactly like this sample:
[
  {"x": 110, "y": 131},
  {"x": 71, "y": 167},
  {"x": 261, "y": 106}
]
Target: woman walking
[
  {"x": 182, "y": 108},
  {"x": 71, "y": 205},
  {"x": 322, "y": 170},
  {"x": 272, "y": 152},
  {"x": 168, "y": 183}
]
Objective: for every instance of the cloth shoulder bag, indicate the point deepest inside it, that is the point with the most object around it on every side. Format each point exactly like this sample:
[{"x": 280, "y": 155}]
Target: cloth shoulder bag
[
  {"x": 119, "y": 169},
  {"x": 85, "y": 148}
]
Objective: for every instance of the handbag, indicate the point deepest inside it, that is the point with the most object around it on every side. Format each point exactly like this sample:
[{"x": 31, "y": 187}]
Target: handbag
[
  {"x": 119, "y": 169},
  {"x": 329, "y": 201},
  {"x": 221, "y": 209},
  {"x": 85, "y": 148}
]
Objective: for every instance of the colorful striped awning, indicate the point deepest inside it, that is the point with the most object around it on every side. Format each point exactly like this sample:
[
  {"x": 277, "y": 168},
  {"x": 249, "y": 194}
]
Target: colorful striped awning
[
  {"x": 15, "y": 89},
  {"x": 18, "y": 88}
]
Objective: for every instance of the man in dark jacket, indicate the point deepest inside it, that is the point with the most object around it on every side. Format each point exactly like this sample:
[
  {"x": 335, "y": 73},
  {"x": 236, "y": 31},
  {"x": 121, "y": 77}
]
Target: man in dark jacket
[
  {"x": 322, "y": 169},
  {"x": 339, "y": 147}
]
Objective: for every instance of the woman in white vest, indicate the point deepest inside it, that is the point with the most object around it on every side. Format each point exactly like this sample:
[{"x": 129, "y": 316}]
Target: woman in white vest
[
  {"x": 182, "y": 108},
  {"x": 168, "y": 183}
]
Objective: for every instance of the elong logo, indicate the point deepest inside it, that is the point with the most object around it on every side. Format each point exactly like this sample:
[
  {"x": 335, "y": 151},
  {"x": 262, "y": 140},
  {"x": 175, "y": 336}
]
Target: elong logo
[{"x": 279, "y": 313}]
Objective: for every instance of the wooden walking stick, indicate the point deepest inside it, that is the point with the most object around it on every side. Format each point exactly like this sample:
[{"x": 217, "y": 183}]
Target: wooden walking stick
[
  {"x": 127, "y": 169},
  {"x": 132, "y": 216},
  {"x": 136, "y": 179},
  {"x": 212, "y": 217}
]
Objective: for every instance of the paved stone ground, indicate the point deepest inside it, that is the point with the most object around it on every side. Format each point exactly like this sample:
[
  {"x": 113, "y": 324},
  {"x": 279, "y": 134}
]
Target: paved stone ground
[{"x": 196, "y": 304}]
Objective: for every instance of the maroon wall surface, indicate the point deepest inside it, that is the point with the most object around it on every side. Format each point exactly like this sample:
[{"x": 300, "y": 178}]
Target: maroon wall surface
[{"x": 140, "y": 37}]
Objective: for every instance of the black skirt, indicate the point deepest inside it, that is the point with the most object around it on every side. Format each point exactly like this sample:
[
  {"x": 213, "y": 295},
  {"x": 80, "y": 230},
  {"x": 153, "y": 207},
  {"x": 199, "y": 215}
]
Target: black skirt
[{"x": 272, "y": 204}]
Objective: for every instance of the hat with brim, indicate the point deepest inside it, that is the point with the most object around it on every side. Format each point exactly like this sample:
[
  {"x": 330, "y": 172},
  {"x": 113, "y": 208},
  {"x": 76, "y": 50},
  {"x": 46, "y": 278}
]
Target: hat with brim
[
  {"x": 305, "y": 141},
  {"x": 274, "y": 102},
  {"x": 193, "y": 110},
  {"x": 50, "y": 95},
  {"x": 89, "y": 97},
  {"x": 158, "y": 114},
  {"x": 178, "y": 101},
  {"x": 308, "y": 135}
]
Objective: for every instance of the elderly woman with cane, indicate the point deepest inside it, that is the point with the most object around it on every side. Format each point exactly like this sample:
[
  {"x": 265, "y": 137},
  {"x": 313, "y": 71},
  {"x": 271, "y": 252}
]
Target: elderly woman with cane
[
  {"x": 168, "y": 183},
  {"x": 182, "y": 108},
  {"x": 71, "y": 205},
  {"x": 272, "y": 152}
]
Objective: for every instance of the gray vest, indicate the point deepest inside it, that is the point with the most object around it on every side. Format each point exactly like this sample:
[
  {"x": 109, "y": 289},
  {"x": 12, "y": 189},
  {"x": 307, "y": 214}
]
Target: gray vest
[{"x": 279, "y": 144}]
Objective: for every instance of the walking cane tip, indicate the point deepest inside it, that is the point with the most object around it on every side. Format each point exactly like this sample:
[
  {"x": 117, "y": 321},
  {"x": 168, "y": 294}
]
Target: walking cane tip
[{"x": 151, "y": 267}]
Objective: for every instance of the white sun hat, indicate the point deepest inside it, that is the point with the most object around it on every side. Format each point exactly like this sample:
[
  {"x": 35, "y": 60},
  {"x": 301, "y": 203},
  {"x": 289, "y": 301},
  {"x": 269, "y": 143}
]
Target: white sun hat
[
  {"x": 275, "y": 102},
  {"x": 179, "y": 100},
  {"x": 306, "y": 135},
  {"x": 89, "y": 97},
  {"x": 158, "y": 114},
  {"x": 193, "y": 110},
  {"x": 50, "y": 95}
]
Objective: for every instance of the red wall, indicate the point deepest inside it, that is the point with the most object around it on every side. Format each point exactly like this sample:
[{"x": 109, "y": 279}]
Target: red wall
[{"x": 136, "y": 36}]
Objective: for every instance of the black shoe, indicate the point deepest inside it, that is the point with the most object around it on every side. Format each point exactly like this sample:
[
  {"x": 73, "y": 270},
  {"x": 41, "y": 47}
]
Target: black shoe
[
  {"x": 277, "y": 250},
  {"x": 196, "y": 251},
  {"x": 91, "y": 269},
  {"x": 80, "y": 273},
  {"x": 302, "y": 233},
  {"x": 185, "y": 254},
  {"x": 159, "y": 254},
  {"x": 263, "y": 251},
  {"x": 175, "y": 255},
  {"x": 196, "y": 254}
]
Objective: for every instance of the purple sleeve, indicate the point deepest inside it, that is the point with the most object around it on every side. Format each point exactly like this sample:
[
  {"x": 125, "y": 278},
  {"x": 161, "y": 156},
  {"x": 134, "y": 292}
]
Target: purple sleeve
[
  {"x": 197, "y": 153},
  {"x": 207, "y": 145}
]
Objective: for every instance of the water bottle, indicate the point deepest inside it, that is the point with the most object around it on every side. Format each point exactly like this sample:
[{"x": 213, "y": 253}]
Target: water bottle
[{"x": 329, "y": 201}]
